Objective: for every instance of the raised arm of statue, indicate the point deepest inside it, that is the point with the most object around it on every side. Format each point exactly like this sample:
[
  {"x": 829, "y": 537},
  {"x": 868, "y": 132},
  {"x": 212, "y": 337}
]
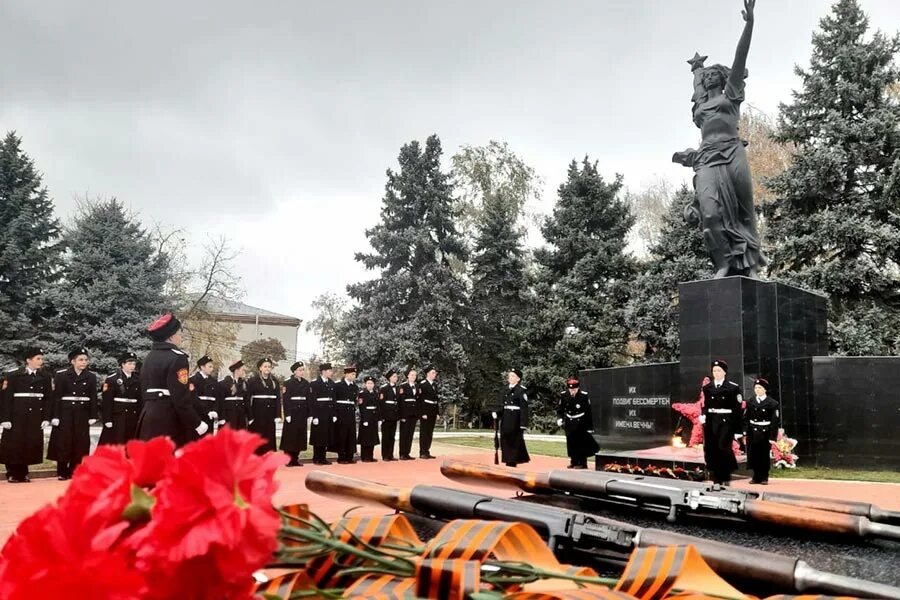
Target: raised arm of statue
[{"x": 740, "y": 55}]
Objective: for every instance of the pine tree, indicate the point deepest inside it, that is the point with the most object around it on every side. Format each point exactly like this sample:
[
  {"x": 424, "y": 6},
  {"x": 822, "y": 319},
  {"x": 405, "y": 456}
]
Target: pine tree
[
  {"x": 833, "y": 223},
  {"x": 415, "y": 311},
  {"x": 253, "y": 352},
  {"x": 584, "y": 276},
  {"x": 29, "y": 249},
  {"x": 678, "y": 255},
  {"x": 111, "y": 287}
]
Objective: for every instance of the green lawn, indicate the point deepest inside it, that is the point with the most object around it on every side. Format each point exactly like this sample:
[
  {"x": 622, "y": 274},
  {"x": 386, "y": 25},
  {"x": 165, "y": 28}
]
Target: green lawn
[
  {"x": 839, "y": 474},
  {"x": 557, "y": 449}
]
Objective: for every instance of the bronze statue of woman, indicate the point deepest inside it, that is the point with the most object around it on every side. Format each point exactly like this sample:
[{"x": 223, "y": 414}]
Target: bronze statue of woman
[{"x": 723, "y": 199}]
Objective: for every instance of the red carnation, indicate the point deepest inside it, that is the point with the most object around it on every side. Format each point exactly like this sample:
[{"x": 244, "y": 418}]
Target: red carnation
[{"x": 213, "y": 523}]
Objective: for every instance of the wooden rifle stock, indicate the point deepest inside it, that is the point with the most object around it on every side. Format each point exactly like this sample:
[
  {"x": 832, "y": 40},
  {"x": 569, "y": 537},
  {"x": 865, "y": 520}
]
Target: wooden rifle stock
[
  {"x": 338, "y": 486},
  {"x": 787, "y": 515},
  {"x": 495, "y": 476},
  {"x": 860, "y": 509}
]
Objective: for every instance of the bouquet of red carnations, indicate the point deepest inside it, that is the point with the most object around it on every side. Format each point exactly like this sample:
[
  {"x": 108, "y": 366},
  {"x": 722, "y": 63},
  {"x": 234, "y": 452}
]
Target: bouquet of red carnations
[{"x": 142, "y": 521}]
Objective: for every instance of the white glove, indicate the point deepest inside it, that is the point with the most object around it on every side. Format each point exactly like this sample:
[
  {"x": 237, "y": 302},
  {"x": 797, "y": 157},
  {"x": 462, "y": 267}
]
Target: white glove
[
  {"x": 91, "y": 421},
  {"x": 380, "y": 422},
  {"x": 213, "y": 415},
  {"x": 202, "y": 428},
  {"x": 702, "y": 419},
  {"x": 334, "y": 419},
  {"x": 403, "y": 420},
  {"x": 366, "y": 424},
  {"x": 494, "y": 414},
  {"x": 54, "y": 422},
  {"x": 278, "y": 419},
  {"x": 424, "y": 417},
  {"x": 738, "y": 436},
  {"x": 559, "y": 422},
  {"x": 287, "y": 419},
  {"x": 315, "y": 420},
  {"x": 250, "y": 422},
  {"x": 524, "y": 428},
  {"x": 6, "y": 424},
  {"x": 220, "y": 423},
  {"x": 108, "y": 425},
  {"x": 590, "y": 431},
  {"x": 44, "y": 424}
]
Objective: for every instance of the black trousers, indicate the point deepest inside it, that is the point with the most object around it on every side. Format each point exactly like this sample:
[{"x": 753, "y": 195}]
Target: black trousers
[
  {"x": 17, "y": 471},
  {"x": 344, "y": 435},
  {"x": 758, "y": 458},
  {"x": 64, "y": 469},
  {"x": 367, "y": 453},
  {"x": 426, "y": 434},
  {"x": 319, "y": 453},
  {"x": 407, "y": 430},
  {"x": 388, "y": 433}
]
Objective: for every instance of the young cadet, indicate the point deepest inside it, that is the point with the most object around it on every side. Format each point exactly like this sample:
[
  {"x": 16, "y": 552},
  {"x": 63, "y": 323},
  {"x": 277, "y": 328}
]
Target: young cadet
[
  {"x": 761, "y": 422},
  {"x": 74, "y": 411},
  {"x": 25, "y": 397},
  {"x": 295, "y": 393},
  {"x": 121, "y": 402},
  {"x": 264, "y": 396},
  {"x": 367, "y": 403},
  {"x": 389, "y": 411}
]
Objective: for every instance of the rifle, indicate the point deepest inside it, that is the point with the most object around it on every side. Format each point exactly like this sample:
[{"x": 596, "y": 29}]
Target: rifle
[
  {"x": 496, "y": 443},
  {"x": 570, "y": 530},
  {"x": 672, "y": 497}
]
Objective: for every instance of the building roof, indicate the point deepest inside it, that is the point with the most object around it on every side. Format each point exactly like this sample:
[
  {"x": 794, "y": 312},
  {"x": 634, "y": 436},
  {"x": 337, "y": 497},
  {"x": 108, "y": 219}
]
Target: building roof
[{"x": 238, "y": 312}]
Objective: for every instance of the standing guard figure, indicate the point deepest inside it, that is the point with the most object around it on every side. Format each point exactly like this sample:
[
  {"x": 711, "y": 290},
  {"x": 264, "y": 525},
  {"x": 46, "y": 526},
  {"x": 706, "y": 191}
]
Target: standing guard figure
[
  {"x": 321, "y": 409},
  {"x": 429, "y": 407},
  {"x": 264, "y": 396},
  {"x": 574, "y": 414},
  {"x": 761, "y": 422},
  {"x": 206, "y": 392},
  {"x": 389, "y": 411},
  {"x": 367, "y": 402},
  {"x": 74, "y": 411},
  {"x": 296, "y": 397},
  {"x": 514, "y": 416},
  {"x": 121, "y": 402},
  {"x": 721, "y": 419},
  {"x": 25, "y": 397},
  {"x": 408, "y": 401},
  {"x": 233, "y": 389},
  {"x": 345, "y": 393}
]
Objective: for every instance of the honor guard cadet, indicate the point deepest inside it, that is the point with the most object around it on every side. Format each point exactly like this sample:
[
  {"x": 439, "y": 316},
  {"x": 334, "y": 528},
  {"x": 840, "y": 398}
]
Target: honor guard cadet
[
  {"x": 169, "y": 408},
  {"x": 390, "y": 415},
  {"x": 205, "y": 389},
  {"x": 25, "y": 397},
  {"x": 367, "y": 403},
  {"x": 408, "y": 401},
  {"x": 296, "y": 396},
  {"x": 721, "y": 419},
  {"x": 761, "y": 422},
  {"x": 74, "y": 410},
  {"x": 264, "y": 396},
  {"x": 121, "y": 402},
  {"x": 321, "y": 409},
  {"x": 345, "y": 393},
  {"x": 235, "y": 409},
  {"x": 573, "y": 414},
  {"x": 514, "y": 417},
  {"x": 429, "y": 410}
]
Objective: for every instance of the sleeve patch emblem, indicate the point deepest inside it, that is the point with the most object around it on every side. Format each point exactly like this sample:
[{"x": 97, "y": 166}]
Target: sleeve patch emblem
[{"x": 183, "y": 376}]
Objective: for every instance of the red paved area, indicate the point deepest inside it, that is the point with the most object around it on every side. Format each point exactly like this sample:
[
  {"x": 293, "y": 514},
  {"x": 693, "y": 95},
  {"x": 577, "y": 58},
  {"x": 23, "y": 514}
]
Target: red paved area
[{"x": 19, "y": 500}]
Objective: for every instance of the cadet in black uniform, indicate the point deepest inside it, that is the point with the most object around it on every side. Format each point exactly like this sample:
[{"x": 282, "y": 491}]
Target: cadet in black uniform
[
  {"x": 74, "y": 410},
  {"x": 168, "y": 407},
  {"x": 206, "y": 392},
  {"x": 514, "y": 418},
  {"x": 721, "y": 418},
  {"x": 574, "y": 414},
  {"x": 321, "y": 409},
  {"x": 264, "y": 395},
  {"x": 367, "y": 402},
  {"x": 295, "y": 395},
  {"x": 428, "y": 408},
  {"x": 390, "y": 414},
  {"x": 233, "y": 388},
  {"x": 408, "y": 401},
  {"x": 24, "y": 414},
  {"x": 761, "y": 422},
  {"x": 345, "y": 393},
  {"x": 121, "y": 402}
]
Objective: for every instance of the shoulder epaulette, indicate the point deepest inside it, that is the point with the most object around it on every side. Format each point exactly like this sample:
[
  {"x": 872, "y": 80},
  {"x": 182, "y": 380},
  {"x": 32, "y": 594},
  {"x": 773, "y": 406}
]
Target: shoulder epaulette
[
  {"x": 177, "y": 351},
  {"x": 523, "y": 387},
  {"x": 423, "y": 381},
  {"x": 62, "y": 370},
  {"x": 580, "y": 392}
]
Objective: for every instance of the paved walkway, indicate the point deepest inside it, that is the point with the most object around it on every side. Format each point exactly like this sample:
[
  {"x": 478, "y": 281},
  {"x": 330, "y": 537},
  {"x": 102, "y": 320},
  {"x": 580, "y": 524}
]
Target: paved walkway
[{"x": 19, "y": 500}]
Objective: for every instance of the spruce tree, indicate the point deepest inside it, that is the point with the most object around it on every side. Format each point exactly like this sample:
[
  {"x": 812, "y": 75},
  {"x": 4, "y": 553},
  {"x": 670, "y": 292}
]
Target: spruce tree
[
  {"x": 111, "y": 287},
  {"x": 415, "y": 311},
  {"x": 678, "y": 255},
  {"x": 29, "y": 249},
  {"x": 833, "y": 223}
]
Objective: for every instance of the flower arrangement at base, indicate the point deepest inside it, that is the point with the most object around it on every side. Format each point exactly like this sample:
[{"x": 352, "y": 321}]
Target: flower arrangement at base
[
  {"x": 695, "y": 474},
  {"x": 782, "y": 451}
]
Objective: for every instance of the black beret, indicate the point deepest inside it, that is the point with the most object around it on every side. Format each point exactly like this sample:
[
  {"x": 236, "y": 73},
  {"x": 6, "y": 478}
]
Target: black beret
[
  {"x": 350, "y": 369},
  {"x": 164, "y": 327},
  {"x": 128, "y": 356},
  {"x": 32, "y": 352},
  {"x": 518, "y": 372},
  {"x": 428, "y": 369},
  {"x": 389, "y": 373},
  {"x": 326, "y": 366},
  {"x": 369, "y": 378},
  {"x": 236, "y": 365},
  {"x": 265, "y": 359},
  {"x": 762, "y": 382},
  {"x": 204, "y": 360},
  {"x": 572, "y": 382},
  {"x": 720, "y": 363},
  {"x": 296, "y": 366},
  {"x": 77, "y": 352}
]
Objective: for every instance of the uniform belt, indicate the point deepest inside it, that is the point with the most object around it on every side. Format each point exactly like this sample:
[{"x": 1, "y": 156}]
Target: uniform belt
[
  {"x": 390, "y": 402},
  {"x": 298, "y": 397},
  {"x": 324, "y": 398},
  {"x": 578, "y": 416},
  {"x": 343, "y": 401},
  {"x": 264, "y": 397},
  {"x": 410, "y": 400},
  {"x": 722, "y": 411},
  {"x": 234, "y": 398},
  {"x": 761, "y": 423},
  {"x": 430, "y": 401},
  {"x": 511, "y": 407},
  {"x": 162, "y": 391},
  {"x": 370, "y": 407},
  {"x": 27, "y": 395},
  {"x": 128, "y": 400},
  {"x": 75, "y": 398},
  {"x": 207, "y": 398}
]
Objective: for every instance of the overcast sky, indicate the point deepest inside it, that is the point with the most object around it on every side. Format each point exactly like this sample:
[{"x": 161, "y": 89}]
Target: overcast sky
[{"x": 274, "y": 122}]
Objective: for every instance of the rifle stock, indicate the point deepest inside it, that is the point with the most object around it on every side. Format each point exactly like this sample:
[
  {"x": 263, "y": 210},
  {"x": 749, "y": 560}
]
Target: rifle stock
[
  {"x": 495, "y": 476},
  {"x": 338, "y": 486}
]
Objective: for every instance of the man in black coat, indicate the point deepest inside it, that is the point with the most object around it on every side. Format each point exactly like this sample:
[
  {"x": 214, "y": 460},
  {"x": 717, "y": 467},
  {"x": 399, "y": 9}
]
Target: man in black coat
[
  {"x": 429, "y": 408},
  {"x": 389, "y": 412},
  {"x": 25, "y": 397},
  {"x": 235, "y": 410},
  {"x": 514, "y": 416},
  {"x": 295, "y": 395},
  {"x": 408, "y": 401},
  {"x": 206, "y": 392},
  {"x": 762, "y": 418},
  {"x": 721, "y": 419},
  {"x": 74, "y": 410},
  {"x": 121, "y": 402},
  {"x": 573, "y": 413},
  {"x": 169, "y": 408},
  {"x": 321, "y": 409},
  {"x": 264, "y": 396},
  {"x": 367, "y": 403},
  {"x": 345, "y": 393}
]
